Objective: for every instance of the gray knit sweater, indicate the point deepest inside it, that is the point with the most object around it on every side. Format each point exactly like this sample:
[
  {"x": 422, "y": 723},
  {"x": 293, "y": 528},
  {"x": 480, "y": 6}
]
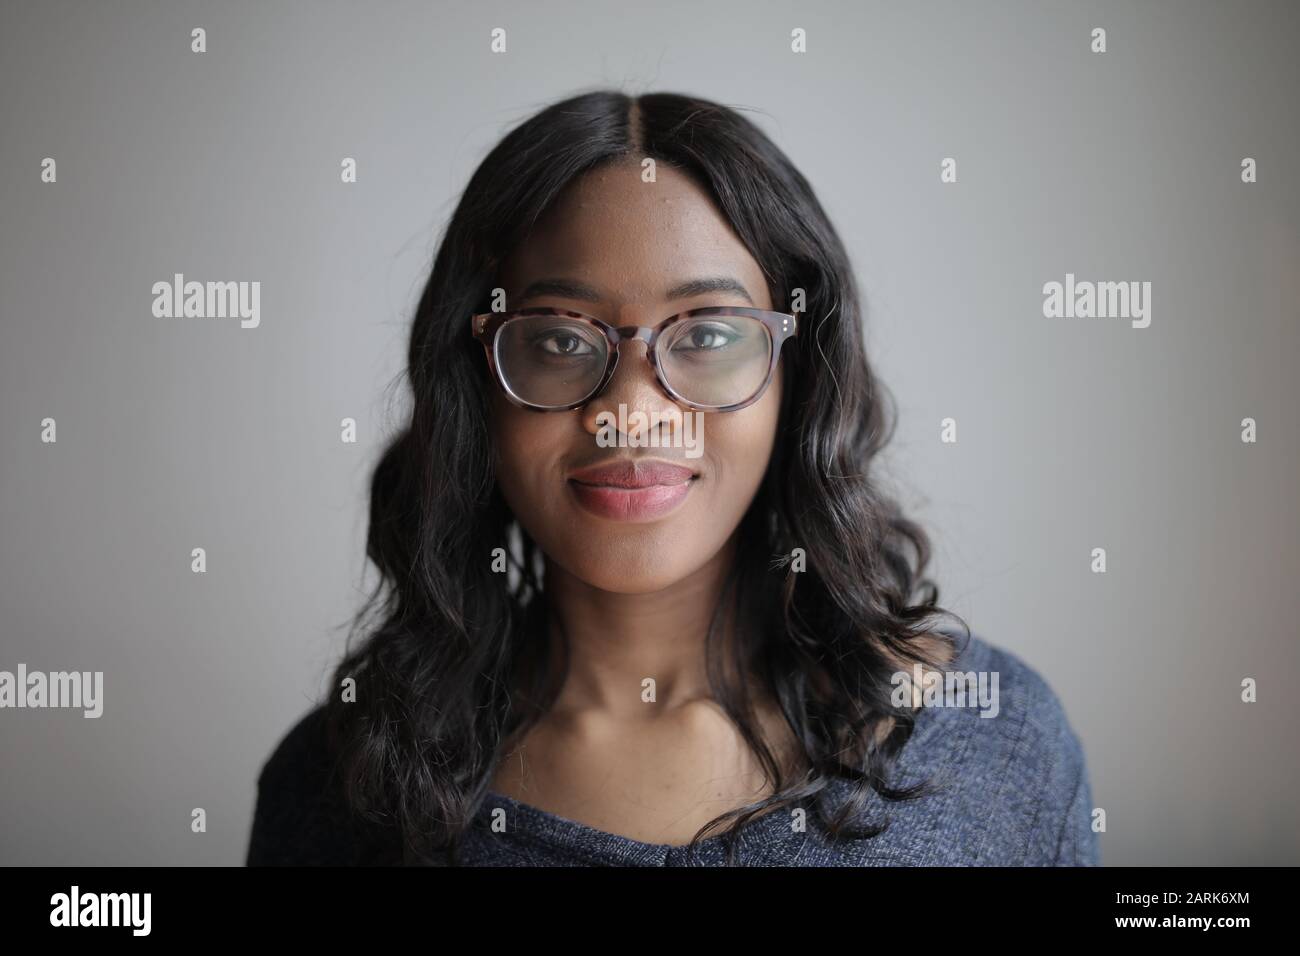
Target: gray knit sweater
[{"x": 1013, "y": 791}]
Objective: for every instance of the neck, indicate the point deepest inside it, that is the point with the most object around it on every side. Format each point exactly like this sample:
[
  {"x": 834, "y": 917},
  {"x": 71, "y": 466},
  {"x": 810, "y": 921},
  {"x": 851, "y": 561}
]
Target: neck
[{"x": 616, "y": 641}]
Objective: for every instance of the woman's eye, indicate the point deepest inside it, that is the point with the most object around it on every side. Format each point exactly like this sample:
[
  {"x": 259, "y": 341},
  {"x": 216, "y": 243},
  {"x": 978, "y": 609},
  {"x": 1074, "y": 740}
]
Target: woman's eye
[
  {"x": 563, "y": 343},
  {"x": 706, "y": 338}
]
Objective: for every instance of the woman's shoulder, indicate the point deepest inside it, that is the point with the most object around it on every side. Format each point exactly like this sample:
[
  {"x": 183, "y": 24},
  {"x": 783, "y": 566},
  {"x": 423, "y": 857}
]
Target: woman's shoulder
[
  {"x": 1001, "y": 685},
  {"x": 1015, "y": 757},
  {"x": 302, "y": 748},
  {"x": 302, "y": 817}
]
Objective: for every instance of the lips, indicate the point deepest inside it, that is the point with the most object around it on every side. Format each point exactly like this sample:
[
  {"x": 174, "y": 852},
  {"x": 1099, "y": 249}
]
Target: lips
[
  {"x": 630, "y": 473},
  {"x": 630, "y": 490}
]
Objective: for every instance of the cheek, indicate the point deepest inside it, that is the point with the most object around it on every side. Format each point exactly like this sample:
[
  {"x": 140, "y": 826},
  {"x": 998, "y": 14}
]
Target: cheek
[
  {"x": 739, "y": 447},
  {"x": 523, "y": 445}
]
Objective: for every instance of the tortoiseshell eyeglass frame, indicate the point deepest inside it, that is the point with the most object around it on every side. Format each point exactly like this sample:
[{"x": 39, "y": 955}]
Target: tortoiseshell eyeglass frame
[{"x": 780, "y": 326}]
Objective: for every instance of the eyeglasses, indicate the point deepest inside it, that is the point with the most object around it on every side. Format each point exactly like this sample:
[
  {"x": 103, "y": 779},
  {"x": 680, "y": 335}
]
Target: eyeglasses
[{"x": 714, "y": 359}]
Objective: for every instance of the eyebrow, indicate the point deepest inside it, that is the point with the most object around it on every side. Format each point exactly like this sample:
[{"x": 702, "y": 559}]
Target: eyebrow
[{"x": 573, "y": 289}]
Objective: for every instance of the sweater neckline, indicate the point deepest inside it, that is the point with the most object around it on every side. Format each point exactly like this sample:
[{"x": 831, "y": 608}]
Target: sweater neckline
[{"x": 604, "y": 845}]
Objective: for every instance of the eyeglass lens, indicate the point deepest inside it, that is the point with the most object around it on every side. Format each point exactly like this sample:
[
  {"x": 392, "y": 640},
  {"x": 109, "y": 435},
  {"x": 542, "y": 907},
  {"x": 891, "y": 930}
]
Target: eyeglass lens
[{"x": 712, "y": 360}]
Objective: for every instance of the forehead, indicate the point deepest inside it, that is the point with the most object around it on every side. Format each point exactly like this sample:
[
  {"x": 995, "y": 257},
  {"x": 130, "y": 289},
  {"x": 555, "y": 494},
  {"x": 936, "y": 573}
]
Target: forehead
[{"x": 631, "y": 239}]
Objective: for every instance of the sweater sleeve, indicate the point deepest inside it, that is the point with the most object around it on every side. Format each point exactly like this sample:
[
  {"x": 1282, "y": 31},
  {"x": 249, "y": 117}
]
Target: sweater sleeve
[
  {"x": 1050, "y": 772},
  {"x": 1063, "y": 834},
  {"x": 1076, "y": 844}
]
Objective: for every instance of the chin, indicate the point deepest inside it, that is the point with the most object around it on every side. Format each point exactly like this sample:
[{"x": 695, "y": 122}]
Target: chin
[{"x": 647, "y": 572}]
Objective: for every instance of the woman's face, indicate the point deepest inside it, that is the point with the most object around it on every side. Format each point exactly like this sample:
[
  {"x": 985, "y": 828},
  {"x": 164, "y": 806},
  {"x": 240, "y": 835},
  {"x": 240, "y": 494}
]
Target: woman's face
[{"x": 631, "y": 242}]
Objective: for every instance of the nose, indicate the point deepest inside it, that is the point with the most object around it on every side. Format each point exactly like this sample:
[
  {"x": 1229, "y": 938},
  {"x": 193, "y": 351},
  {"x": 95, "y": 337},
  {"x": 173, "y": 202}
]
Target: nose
[
  {"x": 633, "y": 385},
  {"x": 631, "y": 333}
]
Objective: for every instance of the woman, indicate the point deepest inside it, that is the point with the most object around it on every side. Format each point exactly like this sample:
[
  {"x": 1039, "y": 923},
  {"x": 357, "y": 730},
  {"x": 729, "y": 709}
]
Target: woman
[{"x": 686, "y": 636}]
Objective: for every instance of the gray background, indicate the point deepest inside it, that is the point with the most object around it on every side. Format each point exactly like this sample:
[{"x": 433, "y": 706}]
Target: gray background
[{"x": 1073, "y": 433}]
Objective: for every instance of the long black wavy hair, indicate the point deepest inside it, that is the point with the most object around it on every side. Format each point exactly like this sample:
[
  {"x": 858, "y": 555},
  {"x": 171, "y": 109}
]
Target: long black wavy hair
[{"x": 453, "y": 661}]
